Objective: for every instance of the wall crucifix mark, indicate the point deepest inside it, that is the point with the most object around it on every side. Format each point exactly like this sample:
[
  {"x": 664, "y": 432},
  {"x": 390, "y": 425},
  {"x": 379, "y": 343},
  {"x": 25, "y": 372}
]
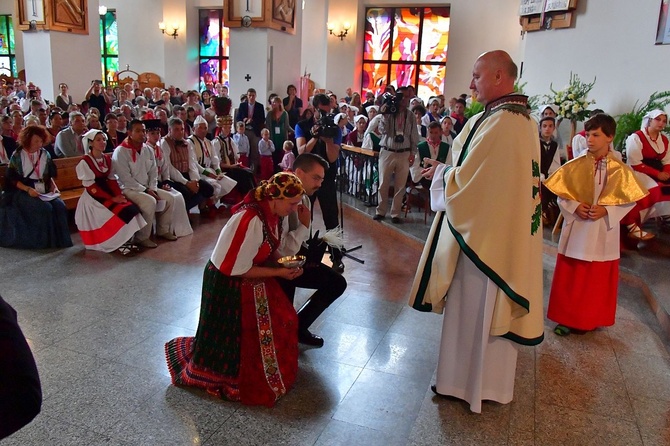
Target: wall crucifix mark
[{"x": 247, "y": 77}]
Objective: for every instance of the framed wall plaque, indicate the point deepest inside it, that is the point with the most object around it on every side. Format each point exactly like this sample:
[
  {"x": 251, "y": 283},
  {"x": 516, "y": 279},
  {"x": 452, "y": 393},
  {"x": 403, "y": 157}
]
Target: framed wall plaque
[
  {"x": 68, "y": 16},
  {"x": 31, "y": 13}
]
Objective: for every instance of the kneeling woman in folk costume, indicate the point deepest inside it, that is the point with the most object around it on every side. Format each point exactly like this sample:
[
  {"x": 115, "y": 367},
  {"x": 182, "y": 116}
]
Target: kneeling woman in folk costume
[
  {"x": 105, "y": 218},
  {"x": 595, "y": 191},
  {"x": 246, "y": 346}
]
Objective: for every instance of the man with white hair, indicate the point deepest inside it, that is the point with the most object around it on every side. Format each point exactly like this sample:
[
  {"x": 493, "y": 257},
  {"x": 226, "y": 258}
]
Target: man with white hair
[{"x": 209, "y": 164}]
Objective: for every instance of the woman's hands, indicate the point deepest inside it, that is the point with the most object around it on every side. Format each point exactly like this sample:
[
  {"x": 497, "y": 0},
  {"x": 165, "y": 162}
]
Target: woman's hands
[{"x": 289, "y": 273}]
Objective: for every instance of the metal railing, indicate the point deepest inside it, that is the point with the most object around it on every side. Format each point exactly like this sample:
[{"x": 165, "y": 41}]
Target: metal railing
[{"x": 359, "y": 173}]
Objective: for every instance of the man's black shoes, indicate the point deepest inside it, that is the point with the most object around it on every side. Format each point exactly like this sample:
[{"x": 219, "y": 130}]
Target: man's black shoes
[{"x": 307, "y": 338}]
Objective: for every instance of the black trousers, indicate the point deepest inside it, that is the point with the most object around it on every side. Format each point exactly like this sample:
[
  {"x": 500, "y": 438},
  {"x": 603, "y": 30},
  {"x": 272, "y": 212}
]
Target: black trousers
[
  {"x": 206, "y": 191},
  {"x": 245, "y": 179},
  {"x": 327, "y": 196},
  {"x": 329, "y": 285}
]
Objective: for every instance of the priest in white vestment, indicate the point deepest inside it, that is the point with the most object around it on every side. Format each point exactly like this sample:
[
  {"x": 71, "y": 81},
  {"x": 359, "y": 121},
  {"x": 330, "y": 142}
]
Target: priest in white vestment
[{"x": 482, "y": 262}]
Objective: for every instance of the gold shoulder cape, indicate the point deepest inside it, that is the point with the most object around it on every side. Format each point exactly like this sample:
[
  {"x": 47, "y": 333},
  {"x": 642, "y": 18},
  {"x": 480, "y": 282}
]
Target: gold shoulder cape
[{"x": 622, "y": 186}]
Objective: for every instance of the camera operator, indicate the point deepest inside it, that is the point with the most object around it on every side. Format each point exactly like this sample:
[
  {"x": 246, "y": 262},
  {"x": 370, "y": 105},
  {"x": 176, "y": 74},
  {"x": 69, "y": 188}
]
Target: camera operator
[
  {"x": 98, "y": 98},
  {"x": 320, "y": 135},
  {"x": 399, "y": 139}
]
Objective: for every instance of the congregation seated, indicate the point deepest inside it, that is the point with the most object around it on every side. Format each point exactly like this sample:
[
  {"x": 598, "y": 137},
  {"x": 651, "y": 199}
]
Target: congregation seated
[
  {"x": 183, "y": 168},
  {"x": 32, "y": 215},
  {"x": 647, "y": 153},
  {"x": 207, "y": 161},
  {"x": 106, "y": 219},
  {"x": 135, "y": 167},
  {"x": 179, "y": 223},
  {"x": 68, "y": 141},
  {"x": 7, "y": 148},
  {"x": 114, "y": 136}
]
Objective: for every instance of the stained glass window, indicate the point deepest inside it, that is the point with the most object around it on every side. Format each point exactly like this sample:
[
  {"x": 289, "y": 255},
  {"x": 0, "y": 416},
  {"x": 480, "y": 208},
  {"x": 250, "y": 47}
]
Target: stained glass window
[
  {"x": 213, "y": 49},
  {"x": 7, "y": 52},
  {"x": 109, "y": 44},
  {"x": 406, "y": 46}
]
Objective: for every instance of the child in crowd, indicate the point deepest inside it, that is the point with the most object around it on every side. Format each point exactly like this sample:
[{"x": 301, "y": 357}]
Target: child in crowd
[
  {"x": 448, "y": 134},
  {"x": 242, "y": 142},
  {"x": 265, "y": 149},
  {"x": 550, "y": 161},
  {"x": 289, "y": 158},
  {"x": 433, "y": 148},
  {"x": 595, "y": 192},
  {"x": 419, "y": 112}
]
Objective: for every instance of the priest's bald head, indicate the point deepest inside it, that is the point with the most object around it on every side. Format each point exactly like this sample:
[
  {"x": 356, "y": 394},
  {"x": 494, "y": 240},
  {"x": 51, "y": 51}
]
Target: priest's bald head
[{"x": 493, "y": 76}]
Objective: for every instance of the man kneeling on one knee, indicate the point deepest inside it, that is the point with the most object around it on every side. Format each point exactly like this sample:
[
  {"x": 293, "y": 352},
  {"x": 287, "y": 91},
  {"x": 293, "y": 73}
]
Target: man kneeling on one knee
[{"x": 295, "y": 231}]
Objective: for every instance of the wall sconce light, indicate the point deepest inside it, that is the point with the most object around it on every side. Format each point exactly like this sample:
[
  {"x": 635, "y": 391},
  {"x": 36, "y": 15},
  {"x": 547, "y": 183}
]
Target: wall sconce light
[
  {"x": 346, "y": 26},
  {"x": 175, "y": 28},
  {"x": 102, "y": 10}
]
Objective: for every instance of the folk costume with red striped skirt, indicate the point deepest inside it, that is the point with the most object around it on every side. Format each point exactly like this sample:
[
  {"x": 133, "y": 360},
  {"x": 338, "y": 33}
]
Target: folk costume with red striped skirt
[
  {"x": 246, "y": 346},
  {"x": 584, "y": 289},
  {"x": 649, "y": 158},
  {"x": 103, "y": 224}
]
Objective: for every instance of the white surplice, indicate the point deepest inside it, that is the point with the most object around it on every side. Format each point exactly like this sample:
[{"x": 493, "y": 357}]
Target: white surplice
[{"x": 472, "y": 364}]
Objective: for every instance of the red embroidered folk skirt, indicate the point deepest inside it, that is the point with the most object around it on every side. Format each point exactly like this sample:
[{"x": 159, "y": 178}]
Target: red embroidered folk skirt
[
  {"x": 584, "y": 294},
  {"x": 246, "y": 347}
]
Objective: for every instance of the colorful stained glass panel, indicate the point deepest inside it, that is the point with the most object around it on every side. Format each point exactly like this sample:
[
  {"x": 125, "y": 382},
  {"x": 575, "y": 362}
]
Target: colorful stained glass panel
[
  {"x": 374, "y": 77},
  {"x": 402, "y": 75},
  {"x": 213, "y": 49},
  {"x": 406, "y": 34},
  {"x": 377, "y": 33},
  {"x": 431, "y": 80},
  {"x": 210, "y": 33},
  {"x": 111, "y": 34},
  {"x": 435, "y": 35},
  {"x": 4, "y": 35},
  {"x": 209, "y": 73}
]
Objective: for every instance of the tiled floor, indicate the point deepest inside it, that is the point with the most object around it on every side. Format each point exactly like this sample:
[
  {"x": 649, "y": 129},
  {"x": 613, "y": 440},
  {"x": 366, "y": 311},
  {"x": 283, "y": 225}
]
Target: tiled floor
[{"x": 98, "y": 322}]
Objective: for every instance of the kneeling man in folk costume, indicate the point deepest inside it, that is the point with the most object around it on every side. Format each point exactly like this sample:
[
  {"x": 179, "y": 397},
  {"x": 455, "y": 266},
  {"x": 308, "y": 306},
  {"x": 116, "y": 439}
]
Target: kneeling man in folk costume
[{"x": 482, "y": 262}]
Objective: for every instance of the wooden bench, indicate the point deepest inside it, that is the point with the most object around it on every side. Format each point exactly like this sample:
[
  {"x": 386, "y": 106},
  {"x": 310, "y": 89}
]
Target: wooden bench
[{"x": 69, "y": 185}]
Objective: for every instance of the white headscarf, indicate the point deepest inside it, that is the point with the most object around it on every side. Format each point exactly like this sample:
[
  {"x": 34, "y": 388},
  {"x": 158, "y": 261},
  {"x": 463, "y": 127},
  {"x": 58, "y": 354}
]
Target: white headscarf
[
  {"x": 651, "y": 115},
  {"x": 88, "y": 137}
]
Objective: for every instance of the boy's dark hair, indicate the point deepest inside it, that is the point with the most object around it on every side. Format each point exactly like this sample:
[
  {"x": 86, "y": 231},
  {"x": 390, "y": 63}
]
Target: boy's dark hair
[
  {"x": 251, "y": 90},
  {"x": 548, "y": 118},
  {"x": 461, "y": 101},
  {"x": 320, "y": 99},
  {"x": 595, "y": 112},
  {"x": 419, "y": 108},
  {"x": 133, "y": 123},
  {"x": 601, "y": 121},
  {"x": 435, "y": 125},
  {"x": 307, "y": 161}
]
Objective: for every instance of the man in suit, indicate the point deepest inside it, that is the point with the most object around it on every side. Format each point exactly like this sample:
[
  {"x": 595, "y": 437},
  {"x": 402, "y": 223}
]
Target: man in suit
[{"x": 253, "y": 115}]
